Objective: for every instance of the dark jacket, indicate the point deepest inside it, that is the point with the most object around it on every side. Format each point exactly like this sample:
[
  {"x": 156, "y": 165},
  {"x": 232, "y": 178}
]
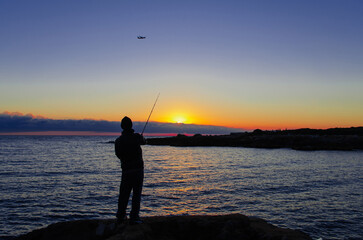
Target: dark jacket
[{"x": 128, "y": 150}]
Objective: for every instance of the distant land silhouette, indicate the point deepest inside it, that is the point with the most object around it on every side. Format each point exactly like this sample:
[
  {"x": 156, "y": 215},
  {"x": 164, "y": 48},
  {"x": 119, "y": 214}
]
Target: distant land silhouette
[{"x": 298, "y": 139}]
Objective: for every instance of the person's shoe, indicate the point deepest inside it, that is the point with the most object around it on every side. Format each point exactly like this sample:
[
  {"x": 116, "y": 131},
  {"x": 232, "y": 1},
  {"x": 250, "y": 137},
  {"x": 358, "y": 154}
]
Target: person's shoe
[
  {"x": 121, "y": 219},
  {"x": 134, "y": 221}
]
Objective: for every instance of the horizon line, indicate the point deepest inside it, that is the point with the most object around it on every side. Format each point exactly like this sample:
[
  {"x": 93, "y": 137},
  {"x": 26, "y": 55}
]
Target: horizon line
[{"x": 95, "y": 133}]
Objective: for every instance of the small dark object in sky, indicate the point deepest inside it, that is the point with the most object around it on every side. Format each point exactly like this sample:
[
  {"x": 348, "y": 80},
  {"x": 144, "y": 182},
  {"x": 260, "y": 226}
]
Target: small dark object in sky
[{"x": 141, "y": 37}]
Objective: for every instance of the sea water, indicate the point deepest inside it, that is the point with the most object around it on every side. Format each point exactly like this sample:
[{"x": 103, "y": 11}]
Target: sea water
[{"x": 47, "y": 179}]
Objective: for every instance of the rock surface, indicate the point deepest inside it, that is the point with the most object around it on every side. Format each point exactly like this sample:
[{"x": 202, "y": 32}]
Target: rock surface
[{"x": 221, "y": 227}]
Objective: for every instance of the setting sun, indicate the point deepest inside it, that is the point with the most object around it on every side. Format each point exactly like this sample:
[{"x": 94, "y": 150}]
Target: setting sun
[
  {"x": 179, "y": 119},
  {"x": 177, "y": 116}
]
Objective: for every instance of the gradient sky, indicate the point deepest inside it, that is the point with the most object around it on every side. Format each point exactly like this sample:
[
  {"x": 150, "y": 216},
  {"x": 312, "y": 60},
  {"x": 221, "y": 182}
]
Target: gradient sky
[{"x": 248, "y": 64}]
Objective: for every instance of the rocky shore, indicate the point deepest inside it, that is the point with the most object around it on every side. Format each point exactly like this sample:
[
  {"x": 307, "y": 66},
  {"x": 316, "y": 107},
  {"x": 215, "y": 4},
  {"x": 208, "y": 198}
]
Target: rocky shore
[
  {"x": 221, "y": 227},
  {"x": 299, "y": 139}
]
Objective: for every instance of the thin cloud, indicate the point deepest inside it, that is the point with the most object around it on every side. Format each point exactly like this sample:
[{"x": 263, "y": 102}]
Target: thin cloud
[
  {"x": 18, "y": 122},
  {"x": 19, "y": 114}
]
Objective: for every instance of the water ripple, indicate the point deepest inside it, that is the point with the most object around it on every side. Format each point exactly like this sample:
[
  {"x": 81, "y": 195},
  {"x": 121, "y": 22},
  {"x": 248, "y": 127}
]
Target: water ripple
[{"x": 44, "y": 180}]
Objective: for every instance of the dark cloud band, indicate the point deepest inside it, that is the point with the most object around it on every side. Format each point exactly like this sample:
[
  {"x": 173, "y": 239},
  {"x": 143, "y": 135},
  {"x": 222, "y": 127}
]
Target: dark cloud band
[{"x": 28, "y": 123}]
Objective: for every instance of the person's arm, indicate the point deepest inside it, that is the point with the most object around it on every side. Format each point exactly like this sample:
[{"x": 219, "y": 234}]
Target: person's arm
[
  {"x": 142, "y": 140},
  {"x": 117, "y": 149}
]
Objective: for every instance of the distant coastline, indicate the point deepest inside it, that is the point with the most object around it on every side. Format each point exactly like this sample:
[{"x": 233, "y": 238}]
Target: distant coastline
[{"x": 299, "y": 139}]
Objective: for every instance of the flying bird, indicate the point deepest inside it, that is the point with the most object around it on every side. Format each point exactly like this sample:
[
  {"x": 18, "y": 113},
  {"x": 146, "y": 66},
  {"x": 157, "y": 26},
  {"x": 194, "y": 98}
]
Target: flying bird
[{"x": 141, "y": 37}]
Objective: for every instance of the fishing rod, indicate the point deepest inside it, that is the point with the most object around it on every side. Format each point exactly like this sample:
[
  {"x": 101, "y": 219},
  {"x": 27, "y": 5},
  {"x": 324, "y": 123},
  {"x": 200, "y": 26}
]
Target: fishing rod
[{"x": 150, "y": 114}]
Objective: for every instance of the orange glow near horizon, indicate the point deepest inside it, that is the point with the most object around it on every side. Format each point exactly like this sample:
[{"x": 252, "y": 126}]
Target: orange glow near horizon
[
  {"x": 246, "y": 118},
  {"x": 249, "y": 119}
]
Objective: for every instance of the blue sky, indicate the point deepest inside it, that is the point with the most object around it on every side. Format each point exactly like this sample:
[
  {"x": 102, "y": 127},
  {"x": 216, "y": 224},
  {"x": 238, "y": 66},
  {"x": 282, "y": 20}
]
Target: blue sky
[{"x": 266, "y": 64}]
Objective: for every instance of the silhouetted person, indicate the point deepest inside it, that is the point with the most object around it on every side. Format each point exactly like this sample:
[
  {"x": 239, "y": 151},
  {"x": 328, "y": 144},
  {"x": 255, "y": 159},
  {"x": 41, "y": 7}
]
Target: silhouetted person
[{"x": 128, "y": 150}]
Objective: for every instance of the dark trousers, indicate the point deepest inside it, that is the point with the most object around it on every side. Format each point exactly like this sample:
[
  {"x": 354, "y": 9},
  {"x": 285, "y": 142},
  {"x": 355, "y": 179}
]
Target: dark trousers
[{"x": 130, "y": 180}]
